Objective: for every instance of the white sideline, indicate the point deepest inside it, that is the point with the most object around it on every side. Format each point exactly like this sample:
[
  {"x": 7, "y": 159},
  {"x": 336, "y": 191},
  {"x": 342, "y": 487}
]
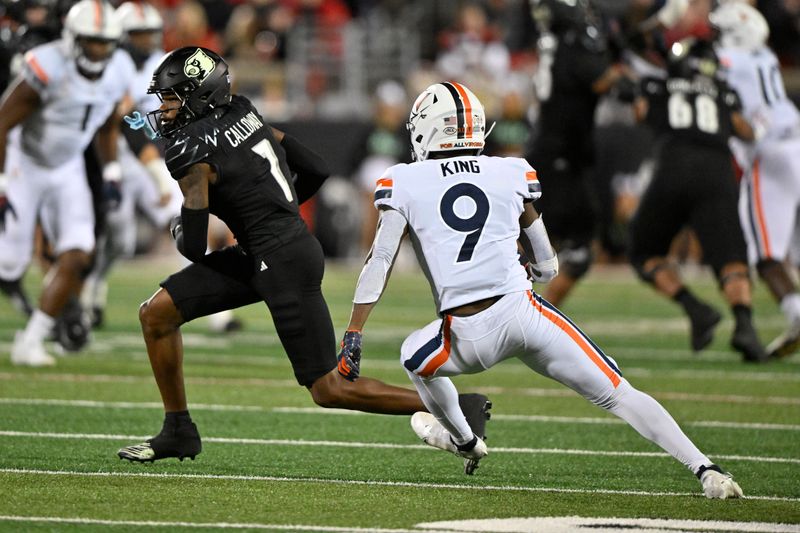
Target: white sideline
[
  {"x": 408, "y": 484},
  {"x": 324, "y": 411},
  {"x": 385, "y": 445}
]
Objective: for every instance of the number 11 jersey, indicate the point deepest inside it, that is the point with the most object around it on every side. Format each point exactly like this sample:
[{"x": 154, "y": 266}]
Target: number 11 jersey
[{"x": 463, "y": 221}]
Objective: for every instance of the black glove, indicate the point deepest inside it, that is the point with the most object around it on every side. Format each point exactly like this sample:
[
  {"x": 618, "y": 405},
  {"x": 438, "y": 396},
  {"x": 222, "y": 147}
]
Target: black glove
[
  {"x": 350, "y": 357},
  {"x": 176, "y": 227}
]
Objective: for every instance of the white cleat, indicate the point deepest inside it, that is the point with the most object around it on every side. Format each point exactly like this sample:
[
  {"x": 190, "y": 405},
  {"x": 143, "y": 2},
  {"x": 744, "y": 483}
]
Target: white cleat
[
  {"x": 786, "y": 343},
  {"x": 434, "y": 434},
  {"x": 27, "y": 352},
  {"x": 718, "y": 485}
]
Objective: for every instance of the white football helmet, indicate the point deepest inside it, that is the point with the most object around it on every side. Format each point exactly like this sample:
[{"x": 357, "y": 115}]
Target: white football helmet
[
  {"x": 446, "y": 117},
  {"x": 139, "y": 16},
  {"x": 95, "y": 20},
  {"x": 740, "y": 26}
]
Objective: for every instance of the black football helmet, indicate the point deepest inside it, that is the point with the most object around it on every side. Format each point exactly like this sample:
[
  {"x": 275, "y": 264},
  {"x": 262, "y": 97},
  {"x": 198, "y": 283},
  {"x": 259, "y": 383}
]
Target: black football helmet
[
  {"x": 198, "y": 77},
  {"x": 692, "y": 57}
]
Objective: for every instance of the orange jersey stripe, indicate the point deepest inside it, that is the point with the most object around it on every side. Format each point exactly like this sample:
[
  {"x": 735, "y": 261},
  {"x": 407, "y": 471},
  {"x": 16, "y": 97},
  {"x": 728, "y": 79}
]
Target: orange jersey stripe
[
  {"x": 37, "y": 68},
  {"x": 467, "y": 109},
  {"x": 98, "y": 15},
  {"x": 384, "y": 182},
  {"x": 578, "y": 338},
  {"x": 440, "y": 358},
  {"x": 762, "y": 226},
  {"x": 531, "y": 176}
]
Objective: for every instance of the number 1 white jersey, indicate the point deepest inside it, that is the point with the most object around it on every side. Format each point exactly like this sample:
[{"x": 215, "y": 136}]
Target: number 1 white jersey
[
  {"x": 73, "y": 107},
  {"x": 463, "y": 220}
]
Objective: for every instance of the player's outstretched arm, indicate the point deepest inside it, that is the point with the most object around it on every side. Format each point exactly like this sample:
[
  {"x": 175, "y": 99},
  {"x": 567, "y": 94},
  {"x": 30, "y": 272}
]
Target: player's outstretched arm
[{"x": 369, "y": 288}]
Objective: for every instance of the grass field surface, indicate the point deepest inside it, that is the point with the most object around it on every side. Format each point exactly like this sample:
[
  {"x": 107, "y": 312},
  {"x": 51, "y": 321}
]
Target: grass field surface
[{"x": 274, "y": 461}]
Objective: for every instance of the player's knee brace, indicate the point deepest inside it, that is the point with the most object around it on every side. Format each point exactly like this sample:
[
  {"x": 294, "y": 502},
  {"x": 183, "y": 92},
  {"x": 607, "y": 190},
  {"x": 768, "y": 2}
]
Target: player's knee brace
[
  {"x": 574, "y": 259},
  {"x": 648, "y": 275},
  {"x": 724, "y": 279}
]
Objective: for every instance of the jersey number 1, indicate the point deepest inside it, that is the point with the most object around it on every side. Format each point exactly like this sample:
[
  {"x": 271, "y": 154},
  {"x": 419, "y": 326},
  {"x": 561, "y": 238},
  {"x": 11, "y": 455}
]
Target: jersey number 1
[
  {"x": 265, "y": 150},
  {"x": 473, "y": 225}
]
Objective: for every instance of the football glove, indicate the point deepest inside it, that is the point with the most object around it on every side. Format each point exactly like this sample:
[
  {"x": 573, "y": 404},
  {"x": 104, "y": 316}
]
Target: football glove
[
  {"x": 5, "y": 205},
  {"x": 350, "y": 357},
  {"x": 137, "y": 122},
  {"x": 176, "y": 227}
]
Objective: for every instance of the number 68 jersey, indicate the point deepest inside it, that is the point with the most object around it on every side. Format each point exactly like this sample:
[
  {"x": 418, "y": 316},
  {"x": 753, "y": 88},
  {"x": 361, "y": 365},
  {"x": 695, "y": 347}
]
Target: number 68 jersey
[{"x": 463, "y": 221}]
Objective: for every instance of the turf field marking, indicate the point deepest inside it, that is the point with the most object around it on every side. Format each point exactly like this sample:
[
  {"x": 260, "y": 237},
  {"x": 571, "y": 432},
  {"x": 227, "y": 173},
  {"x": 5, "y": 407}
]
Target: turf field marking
[
  {"x": 604, "y": 524},
  {"x": 385, "y": 445},
  {"x": 208, "y": 525},
  {"x": 526, "y": 391},
  {"x": 324, "y": 411},
  {"x": 509, "y": 488}
]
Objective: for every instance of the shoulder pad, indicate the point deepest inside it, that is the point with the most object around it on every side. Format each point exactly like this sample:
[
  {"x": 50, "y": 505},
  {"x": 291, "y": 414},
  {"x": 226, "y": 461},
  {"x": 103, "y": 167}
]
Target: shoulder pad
[{"x": 183, "y": 152}]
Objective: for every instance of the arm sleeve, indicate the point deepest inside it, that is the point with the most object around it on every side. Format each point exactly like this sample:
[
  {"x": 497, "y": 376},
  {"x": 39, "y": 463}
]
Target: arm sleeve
[
  {"x": 391, "y": 227},
  {"x": 309, "y": 167},
  {"x": 192, "y": 240}
]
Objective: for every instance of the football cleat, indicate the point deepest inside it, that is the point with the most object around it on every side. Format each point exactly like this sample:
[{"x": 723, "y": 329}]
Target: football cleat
[
  {"x": 476, "y": 410},
  {"x": 434, "y": 434},
  {"x": 27, "y": 352},
  {"x": 786, "y": 343},
  {"x": 703, "y": 322},
  {"x": 73, "y": 327},
  {"x": 745, "y": 341},
  {"x": 718, "y": 484},
  {"x": 173, "y": 441}
]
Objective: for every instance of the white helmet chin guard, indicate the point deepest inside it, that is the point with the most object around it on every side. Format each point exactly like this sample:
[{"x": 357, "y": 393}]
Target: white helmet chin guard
[
  {"x": 740, "y": 26},
  {"x": 446, "y": 117},
  {"x": 138, "y": 16},
  {"x": 93, "y": 19}
]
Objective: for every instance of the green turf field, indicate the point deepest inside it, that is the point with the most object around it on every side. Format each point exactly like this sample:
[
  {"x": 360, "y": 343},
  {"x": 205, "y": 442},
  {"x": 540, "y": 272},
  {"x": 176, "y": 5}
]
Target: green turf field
[{"x": 273, "y": 461}]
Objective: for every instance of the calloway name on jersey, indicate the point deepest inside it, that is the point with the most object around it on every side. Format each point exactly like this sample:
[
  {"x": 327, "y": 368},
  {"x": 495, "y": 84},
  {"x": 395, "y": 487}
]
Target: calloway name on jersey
[{"x": 242, "y": 129}]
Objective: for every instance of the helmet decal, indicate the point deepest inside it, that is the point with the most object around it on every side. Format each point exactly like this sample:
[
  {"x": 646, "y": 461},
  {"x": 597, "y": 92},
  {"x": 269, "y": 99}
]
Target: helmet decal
[
  {"x": 463, "y": 110},
  {"x": 199, "y": 65}
]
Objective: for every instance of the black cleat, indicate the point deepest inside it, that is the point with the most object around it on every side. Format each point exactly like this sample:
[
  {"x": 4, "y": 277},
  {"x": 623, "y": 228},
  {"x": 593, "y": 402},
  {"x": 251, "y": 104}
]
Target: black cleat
[
  {"x": 73, "y": 327},
  {"x": 476, "y": 411},
  {"x": 174, "y": 441},
  {"x": 703, "y": 321},
  {"x": 745, "y": 340}
]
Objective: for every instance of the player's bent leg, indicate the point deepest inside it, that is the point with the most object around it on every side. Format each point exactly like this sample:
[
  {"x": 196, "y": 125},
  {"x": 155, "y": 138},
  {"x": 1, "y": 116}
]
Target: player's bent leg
[
  {"x": 785, "y": 292},
  {"x": 365, "y": 394},
  {"x": 734, "y": 280}
]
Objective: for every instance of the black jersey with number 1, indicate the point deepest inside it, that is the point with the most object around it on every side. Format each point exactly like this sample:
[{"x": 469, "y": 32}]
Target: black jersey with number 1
[{"x": 253, "y": 193}]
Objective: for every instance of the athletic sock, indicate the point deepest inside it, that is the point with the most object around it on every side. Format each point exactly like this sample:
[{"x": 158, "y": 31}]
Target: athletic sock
[
  {"x": 688, "y": 301},
  {"x": 177, "y": 418},
  {"x": 39, "y": 326},
  {"x": 790, "y": 305},
  {"x": 743, "y": 314}
]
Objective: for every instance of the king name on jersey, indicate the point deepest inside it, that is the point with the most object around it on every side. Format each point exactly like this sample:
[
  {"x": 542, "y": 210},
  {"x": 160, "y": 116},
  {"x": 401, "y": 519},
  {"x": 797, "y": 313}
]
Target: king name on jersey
[
  {"x": 243, "y": 128},
  {"x": 450, "y": 168}
]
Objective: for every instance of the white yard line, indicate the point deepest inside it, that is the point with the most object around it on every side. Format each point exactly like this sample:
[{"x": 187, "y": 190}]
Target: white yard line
[
  {"x": 277, "y": 383},
  {"x": 501, "y": 488},
  {"x": 207, "y": 525},
  {"x": 323, "y": 411},
  {"x": 384, "y": 445}
]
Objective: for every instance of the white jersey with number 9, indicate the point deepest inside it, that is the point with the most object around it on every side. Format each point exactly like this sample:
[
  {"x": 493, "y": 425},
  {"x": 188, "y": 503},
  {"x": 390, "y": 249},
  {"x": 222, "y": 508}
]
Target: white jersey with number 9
[{"x": 463, "y": 219}]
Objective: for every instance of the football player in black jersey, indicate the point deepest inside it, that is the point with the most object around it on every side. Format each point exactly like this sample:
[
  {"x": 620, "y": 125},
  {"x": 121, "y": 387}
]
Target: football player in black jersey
[
  {"x": 693, "y": 112},
  {"x": 229, "y": 162}
]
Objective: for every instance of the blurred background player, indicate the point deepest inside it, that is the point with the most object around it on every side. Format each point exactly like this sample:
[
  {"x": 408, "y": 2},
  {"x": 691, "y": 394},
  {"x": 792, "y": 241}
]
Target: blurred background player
[
  {"x": 146, "y": 184},
  {"x": 693, "y": 113},
  {"x": 575, "y": 67},
  {"x": 769, "y": 198},
  {"x": 68, "y": 90}
]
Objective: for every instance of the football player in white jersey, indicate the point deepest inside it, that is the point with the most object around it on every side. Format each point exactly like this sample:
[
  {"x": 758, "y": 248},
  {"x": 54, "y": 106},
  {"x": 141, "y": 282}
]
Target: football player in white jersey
[
  {"x": 146, "y": 182},
  {"x": 68, "y": 91},
  {"x": 769, "y": 200},
  {"x": 465, "y": 215}
]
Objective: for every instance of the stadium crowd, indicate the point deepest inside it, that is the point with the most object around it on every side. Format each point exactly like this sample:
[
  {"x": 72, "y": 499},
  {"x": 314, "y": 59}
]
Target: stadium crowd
[{"x": 557, "y": 79}]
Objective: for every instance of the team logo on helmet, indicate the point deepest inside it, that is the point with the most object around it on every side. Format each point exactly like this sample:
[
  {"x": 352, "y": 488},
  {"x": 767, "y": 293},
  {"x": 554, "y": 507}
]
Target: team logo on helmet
[{"x": 199, "y": 65}]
